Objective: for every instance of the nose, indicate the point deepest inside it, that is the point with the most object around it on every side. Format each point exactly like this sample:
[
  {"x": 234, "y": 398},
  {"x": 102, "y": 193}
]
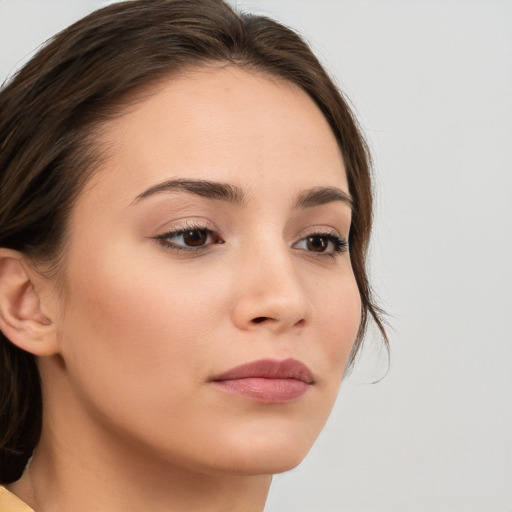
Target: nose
[{"x": 271, "y": 294}]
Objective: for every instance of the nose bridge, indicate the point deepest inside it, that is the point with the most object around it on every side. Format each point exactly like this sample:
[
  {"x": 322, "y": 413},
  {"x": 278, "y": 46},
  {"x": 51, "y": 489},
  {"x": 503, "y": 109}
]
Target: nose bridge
[{"x": 271, "y": 291}]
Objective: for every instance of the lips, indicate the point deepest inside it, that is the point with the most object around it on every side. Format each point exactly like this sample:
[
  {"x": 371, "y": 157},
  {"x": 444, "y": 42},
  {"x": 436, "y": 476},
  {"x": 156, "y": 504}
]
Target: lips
[{"x": 267, "y": 380}]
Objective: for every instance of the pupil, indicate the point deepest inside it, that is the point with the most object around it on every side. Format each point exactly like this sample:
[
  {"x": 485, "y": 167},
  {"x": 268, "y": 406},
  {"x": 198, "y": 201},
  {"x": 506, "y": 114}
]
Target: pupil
[
  {"x": 317, "y": 243},
  {"x": 195, "y": 237}
]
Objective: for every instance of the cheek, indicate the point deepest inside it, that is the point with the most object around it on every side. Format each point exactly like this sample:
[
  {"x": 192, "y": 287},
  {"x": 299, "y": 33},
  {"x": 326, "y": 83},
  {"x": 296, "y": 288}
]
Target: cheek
[
  {"x": 339, "y": 308},
  {"x": 135, "y": 334},
  {"x": 339, "y": 314}
]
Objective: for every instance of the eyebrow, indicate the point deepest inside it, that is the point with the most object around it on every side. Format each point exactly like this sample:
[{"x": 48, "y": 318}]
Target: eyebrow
[
  {"x": 203, "y": 188},
  {"x": 323, "y": 195},
  {"x": 235, "y": 195}
]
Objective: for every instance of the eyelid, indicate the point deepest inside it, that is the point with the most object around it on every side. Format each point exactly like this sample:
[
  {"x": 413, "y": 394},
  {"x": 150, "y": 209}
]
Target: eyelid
[
  {"x": 321, "y": 230},
  {"x": 340, "y": 243},
  {"x": 183, "y": 223},
  {"x": 181, "y": 229}
]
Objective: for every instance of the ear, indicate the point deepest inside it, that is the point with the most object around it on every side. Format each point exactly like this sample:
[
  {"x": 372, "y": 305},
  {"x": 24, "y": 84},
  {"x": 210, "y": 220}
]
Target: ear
[{"x": 21, "y": 309}]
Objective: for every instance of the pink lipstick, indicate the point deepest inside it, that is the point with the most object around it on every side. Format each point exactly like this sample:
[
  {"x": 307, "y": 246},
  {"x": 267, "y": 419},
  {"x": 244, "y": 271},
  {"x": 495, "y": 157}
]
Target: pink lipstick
[{"x": 267, "y": 380}]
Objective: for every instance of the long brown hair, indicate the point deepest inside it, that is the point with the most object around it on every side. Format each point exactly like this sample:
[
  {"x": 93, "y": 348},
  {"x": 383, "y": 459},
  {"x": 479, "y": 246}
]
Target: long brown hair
[{"x": 51, "y": 110}]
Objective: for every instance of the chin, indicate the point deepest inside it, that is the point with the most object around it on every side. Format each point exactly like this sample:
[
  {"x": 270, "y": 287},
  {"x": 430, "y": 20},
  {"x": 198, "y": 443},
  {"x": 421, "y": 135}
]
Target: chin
[
  {"x": 264, "y": 444},
  {"x": 265, "y": 458},
  {"x": 258, "y": 466}
]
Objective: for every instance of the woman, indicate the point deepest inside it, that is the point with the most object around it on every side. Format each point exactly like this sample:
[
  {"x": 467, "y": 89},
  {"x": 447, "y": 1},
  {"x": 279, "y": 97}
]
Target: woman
[{"x": 184, "y": 216}]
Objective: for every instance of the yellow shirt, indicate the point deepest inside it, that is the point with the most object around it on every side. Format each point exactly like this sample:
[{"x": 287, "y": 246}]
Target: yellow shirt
[{"x": 11, "y": 503}]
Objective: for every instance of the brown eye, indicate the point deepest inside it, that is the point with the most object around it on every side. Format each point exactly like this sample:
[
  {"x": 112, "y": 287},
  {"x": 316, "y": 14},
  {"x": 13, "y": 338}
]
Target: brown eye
[
  {"x": 317, "y": 243},
  {"x": 324, "y": 244},
  {"x": 189, "y": 239},
  {"x": 195, "y": 237}
]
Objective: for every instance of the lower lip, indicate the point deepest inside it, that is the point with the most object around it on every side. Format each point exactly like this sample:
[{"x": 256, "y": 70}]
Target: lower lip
[{"x": 271, "y": 391}]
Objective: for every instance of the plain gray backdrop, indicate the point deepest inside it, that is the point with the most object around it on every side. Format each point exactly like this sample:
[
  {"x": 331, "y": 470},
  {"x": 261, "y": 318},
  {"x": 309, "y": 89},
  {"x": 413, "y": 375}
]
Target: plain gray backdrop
[{"x": 431, "y": 83}]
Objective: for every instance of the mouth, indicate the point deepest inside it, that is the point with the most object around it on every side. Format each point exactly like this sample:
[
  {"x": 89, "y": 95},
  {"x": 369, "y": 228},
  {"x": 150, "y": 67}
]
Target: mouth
[{"x": 267, "y": 380}]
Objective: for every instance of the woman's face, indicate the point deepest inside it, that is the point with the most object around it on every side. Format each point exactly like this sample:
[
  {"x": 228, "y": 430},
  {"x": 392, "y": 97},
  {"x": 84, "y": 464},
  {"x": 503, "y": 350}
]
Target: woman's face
[{"x": 207, "y": 265}]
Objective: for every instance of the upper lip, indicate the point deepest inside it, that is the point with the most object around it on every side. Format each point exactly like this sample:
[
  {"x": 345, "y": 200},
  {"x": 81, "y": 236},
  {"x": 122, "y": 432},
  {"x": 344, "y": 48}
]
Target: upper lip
[{"x": 269, "y": 369}]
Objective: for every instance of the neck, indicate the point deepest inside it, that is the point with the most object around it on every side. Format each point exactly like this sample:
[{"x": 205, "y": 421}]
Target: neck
[{"x": 56, "y": 482}]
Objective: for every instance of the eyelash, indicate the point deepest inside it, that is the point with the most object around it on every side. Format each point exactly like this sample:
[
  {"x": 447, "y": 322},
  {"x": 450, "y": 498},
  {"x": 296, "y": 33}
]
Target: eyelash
[
  {"x": 339, "y": 245},
  {"x": 163, "y": 239}
]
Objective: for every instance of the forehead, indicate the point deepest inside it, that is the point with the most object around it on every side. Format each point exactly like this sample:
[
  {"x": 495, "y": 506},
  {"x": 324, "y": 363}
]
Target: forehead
[{"x": 227, "y": 124}]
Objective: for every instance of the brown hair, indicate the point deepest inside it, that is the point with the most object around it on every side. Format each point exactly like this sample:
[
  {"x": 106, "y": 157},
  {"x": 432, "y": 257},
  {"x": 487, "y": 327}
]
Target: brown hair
[{"x": 50, "y": 112}]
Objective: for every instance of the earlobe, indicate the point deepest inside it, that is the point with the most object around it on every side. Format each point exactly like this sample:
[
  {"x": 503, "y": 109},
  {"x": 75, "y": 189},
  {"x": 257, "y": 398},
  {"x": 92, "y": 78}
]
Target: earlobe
[{"x": 21, "y": 315}]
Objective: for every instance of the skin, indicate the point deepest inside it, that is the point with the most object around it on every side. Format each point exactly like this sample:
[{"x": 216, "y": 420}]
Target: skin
[{"x": 132, "y": 421}]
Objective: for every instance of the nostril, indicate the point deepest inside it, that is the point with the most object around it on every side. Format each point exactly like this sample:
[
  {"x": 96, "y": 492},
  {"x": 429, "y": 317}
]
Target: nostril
[{"x": 259, "y": 319}]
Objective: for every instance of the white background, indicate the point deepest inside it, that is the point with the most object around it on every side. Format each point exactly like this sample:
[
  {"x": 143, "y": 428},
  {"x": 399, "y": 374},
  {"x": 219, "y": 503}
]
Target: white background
[{"x": 431, "y": 81}]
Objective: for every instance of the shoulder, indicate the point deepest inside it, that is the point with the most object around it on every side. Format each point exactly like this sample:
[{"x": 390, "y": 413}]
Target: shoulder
[{"x": 11, "y": 503}]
